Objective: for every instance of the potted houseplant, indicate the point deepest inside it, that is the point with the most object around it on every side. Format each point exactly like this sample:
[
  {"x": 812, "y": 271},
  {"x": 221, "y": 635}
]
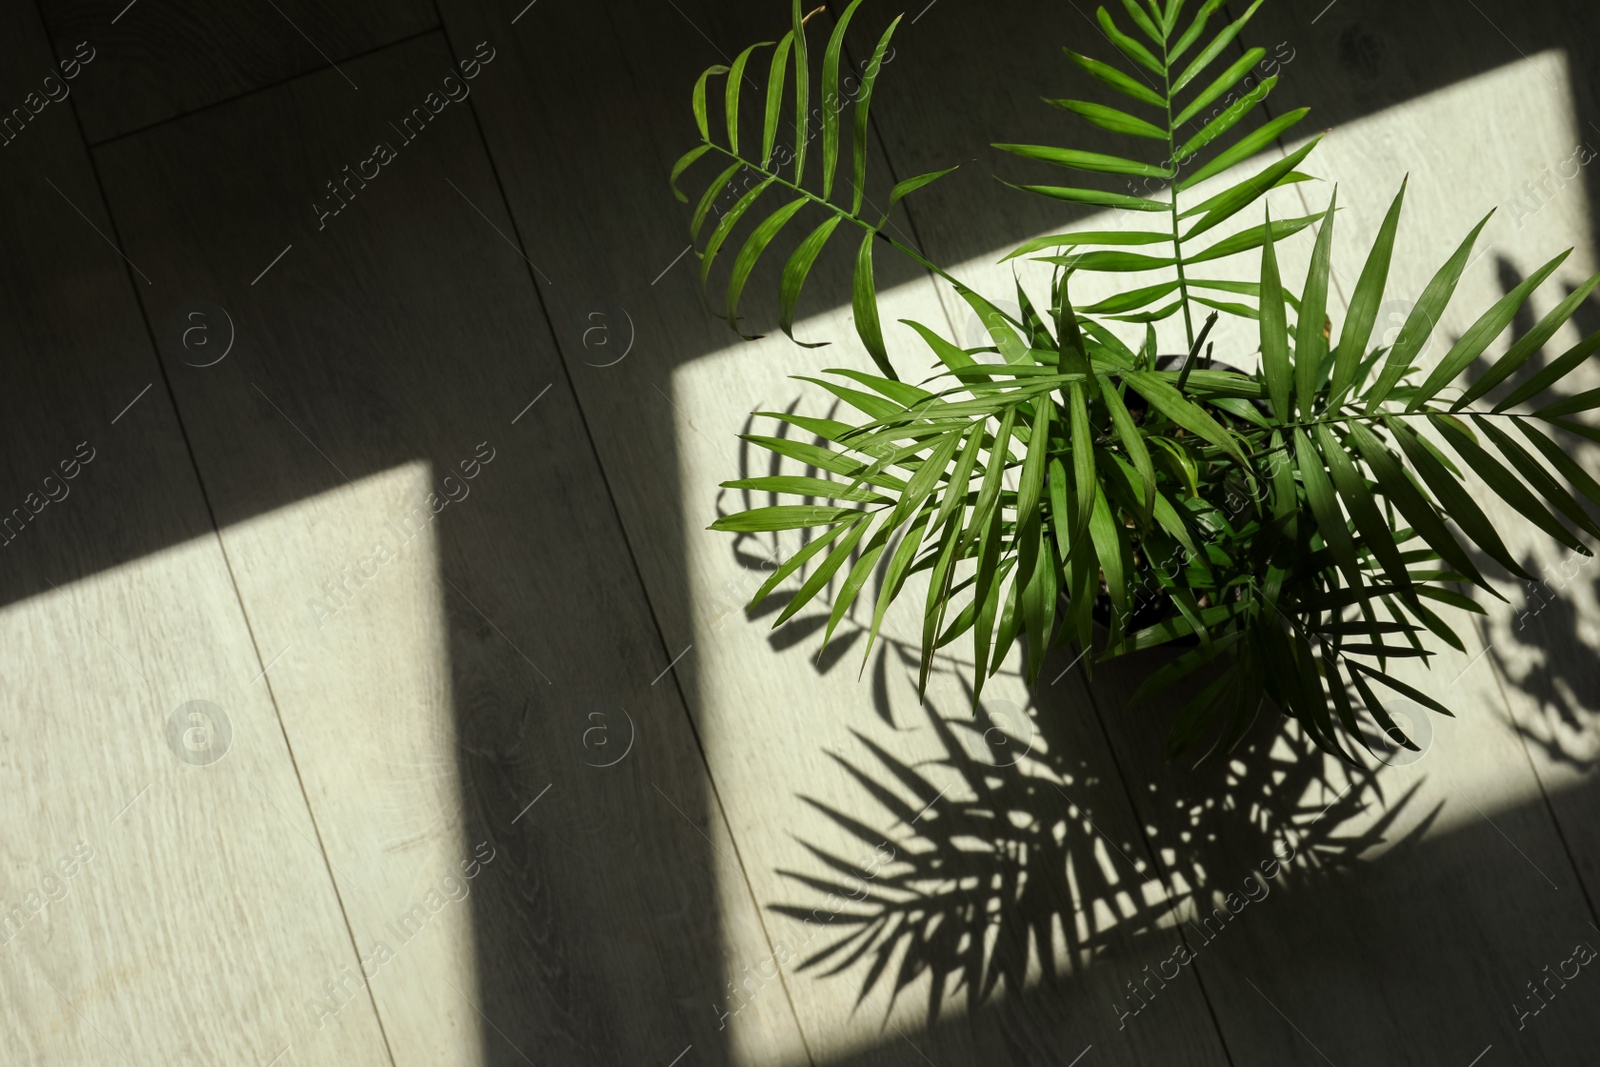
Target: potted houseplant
[{"x": 1295, "y": 525}]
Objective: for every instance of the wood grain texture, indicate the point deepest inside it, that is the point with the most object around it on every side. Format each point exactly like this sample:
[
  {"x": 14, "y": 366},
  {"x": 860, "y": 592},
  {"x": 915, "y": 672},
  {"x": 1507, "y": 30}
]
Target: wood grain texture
[
  {"x": 1507, "y": 134},
  {"x": 1414, "y": 904},
  {"x": 450, "y": 698},
  {"x": 779, "y": 724},
  {"x": 152, "y": 909},
  {"x": 155, "y": 59},
  {"x": 998, "y": 854},
  {"x": 1486, "y": 849},
  {"x": 1490, "y": 776}
]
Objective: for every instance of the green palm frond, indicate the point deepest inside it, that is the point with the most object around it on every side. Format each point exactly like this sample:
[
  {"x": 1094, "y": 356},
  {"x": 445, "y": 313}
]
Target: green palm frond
[
  {"x": 1166, "y": 94},
  {"x": 1296, "y": 529},
  {"x": 781, "y": 175}
]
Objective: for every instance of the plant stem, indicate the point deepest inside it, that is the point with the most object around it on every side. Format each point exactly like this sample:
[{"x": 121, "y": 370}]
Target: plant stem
[
  {"x": 1172, "y": 165},
  {"x": 1194, "y": 350}
]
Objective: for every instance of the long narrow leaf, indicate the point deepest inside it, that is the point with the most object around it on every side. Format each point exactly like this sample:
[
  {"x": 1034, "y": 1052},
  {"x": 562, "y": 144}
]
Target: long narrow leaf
[
  {"x": 1231, "y": 117},
  {"x": 1481, "y": 334},
  {"x": 1094, "y": 197},
  {"x": 1418, "y": 327},
  {"x": 1117, "y": 80},
  {"x": 1309, "y": 345},
  {"x": 1418, "y": 510},
  {"x": 1558, "y": 458},
  {"x": 795, "y": 272},
  {"x": 795, "y": 562},
  {"x": 831, "y": 104},
  {"x": 1559, "y": 368},
  {"x": 1212, "y": 50},
  {"x": 1222, "y": 207},
  {"x": 1507, "y": 485},
  {"x": 754, "y": 245},
  {"x": 1094, "y": 162},
  {"x": 1244, "y": 147},
  {"x": 1274, "y": 331},
  {"x": 1364, "y": 304},
  {"x": 1527, "y": 345},
  {"x": 698, "y": 100},
  {"x": 895, "y": 577},
  {"x": 776, "y": 76},
  {"x": 825, "y": 571},
  {"x": 1128, "y": 46},
  {"x": 1196, "y": 28},
  {"x": 1376, "y": 535},
  {"x": 1225, "y": 81},
  {"x": 1254, "y": 237},
  {"x": 1110, "y": 118},
  {"x": 802, "y": 92},
  {"x": 869, "y": 78},
  {"x": 683, "y": 164},
  {"x": 1534, "y": 473},
  {"x": 1175, "y": 406},
  {"x": 735, "y": 82},
  {"x": 709, "y": 197},
  {"x": 1128, "y": 433},
  {"x": 725, "y": 227},
  {"x": 1454, "y": 498},
  {"x": 783, "y": 517}
]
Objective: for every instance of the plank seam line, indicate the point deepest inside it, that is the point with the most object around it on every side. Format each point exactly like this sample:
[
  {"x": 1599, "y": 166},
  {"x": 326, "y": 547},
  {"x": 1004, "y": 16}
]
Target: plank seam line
[
  {"x": 638, "y": 573},
  {"x": 1151, "y": 851},
  {"x": 278, "y": 84},
  {"x": 873, "y": 120},
  {"x": 1482, "y": 626},
  {"x": 1094, "y": 703},
  {"x": 216, "y": 532}
]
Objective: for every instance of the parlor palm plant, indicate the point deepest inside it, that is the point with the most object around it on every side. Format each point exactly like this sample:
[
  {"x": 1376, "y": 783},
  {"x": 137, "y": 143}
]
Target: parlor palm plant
[{"x": 1296, "y": 527}]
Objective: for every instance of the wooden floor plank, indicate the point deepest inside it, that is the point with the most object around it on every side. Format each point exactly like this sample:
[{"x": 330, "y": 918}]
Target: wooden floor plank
[
  {"x": 1501, "y": 118},
  {"x": 143, "y": 62},
  {"x": 163, "y": 897},
  {"x": 458, "y": 703},
  {"x": 1490, "y": 773},
  {"x": 1408, "y": 907},
  {"x": 463, "y": 687},
  {"x": 1479, "y": 767},
  {"x": 776, "y": 724},
  {"x": 1028, "y": 854}
]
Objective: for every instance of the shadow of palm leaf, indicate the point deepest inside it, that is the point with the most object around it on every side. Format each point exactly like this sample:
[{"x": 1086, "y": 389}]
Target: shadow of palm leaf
[
  {"x": 1540, "y": 648},
  {"x": 1000, "y": 871}
]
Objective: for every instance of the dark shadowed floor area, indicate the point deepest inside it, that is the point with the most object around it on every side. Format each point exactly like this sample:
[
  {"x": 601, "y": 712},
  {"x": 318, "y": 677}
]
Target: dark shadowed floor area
[{"x": 374, "y": 694}]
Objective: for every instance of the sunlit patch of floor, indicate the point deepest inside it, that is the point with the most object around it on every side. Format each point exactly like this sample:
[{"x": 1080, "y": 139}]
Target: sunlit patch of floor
[
  {"x": 806, "y": 744},
  {"x": 188, "y": 789}
]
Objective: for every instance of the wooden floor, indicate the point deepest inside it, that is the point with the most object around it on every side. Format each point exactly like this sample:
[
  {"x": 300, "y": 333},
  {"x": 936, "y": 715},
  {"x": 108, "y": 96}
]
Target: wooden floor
[{"x": 373, "y": 692}]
